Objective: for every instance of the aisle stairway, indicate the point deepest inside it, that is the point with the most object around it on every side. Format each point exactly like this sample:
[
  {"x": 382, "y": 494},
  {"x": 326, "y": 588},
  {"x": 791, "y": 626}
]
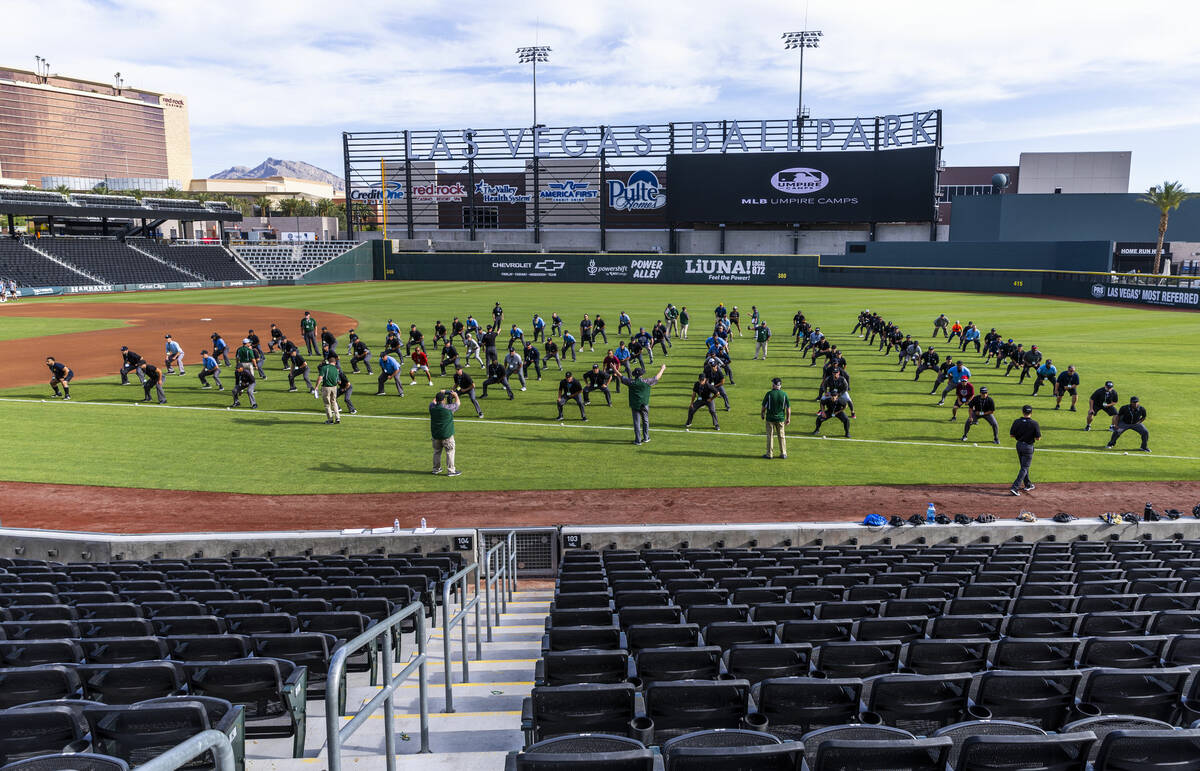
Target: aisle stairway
[{"x": 484, "y": 727}]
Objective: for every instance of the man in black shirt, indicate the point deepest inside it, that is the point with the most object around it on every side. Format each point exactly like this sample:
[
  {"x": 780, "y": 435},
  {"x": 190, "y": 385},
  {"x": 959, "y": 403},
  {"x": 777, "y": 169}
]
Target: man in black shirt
[
  {"x": 449, "y": 356},
  {"x": 982, "y": 407},
  {"x": 929, "y": 360},
  {"x": 153, "y": 379},
  {"x": 439, "y": 333},
  {"x": 598, "y": 330},
  {"x": 570, "y": 389},
  {"x": 60, "y": 374},
  {"x": 328, "y": 342},
  {"x": 244, "y": 383},
  {"x": 276, "y": 336},
  {"x": 259, "y": 356},
  {"x": 703, "y": 396},
  {"x": 288, "y": 348},
  {"x": 585, "y": 333},
  {"x": 1033, "y": 358},
  {"x": 716, "y": 379},
  {"x": 1026, "y": 431},
  {"x": 497, "y": 316},
  {"x": 465, "y": 386},
  {"x": 552, "y": 354},
  {"x": 832, "y": 407},
  {"x": 360, "y": 352},
  {"x": 496, "y": 376},
  {"x": 345, "y": 389},
  {"x": 456, "y": 330},
  {"x": 597, "y": 380},
  {"x": 943, "y": 373},
  {"x": 533, "y": 358},
  {"x": 1102, "y": 400},
  {"x": 1015, "y": 359},
  {"x": 1067, "y": 383},
  {"x": 1131, "y": 417},
  {"x": 415, "y": 340},
  {"x": 299, "y": 367},
  {"x": 130, "y": 362},
  {"x": 487, "y": 341}
]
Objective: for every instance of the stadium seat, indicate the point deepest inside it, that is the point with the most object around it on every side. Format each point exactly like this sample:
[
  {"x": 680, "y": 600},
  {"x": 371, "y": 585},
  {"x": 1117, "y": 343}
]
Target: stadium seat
[
  {"x": 727, "y": 634},
  {"x": 273, "y": 693},
  {"x": 642, "y": 636},
  {"x": 1049, "y": 653},
  {"x": 30, "y": 684},
  {"x": 568, "y": 638},
  {"x": 582, "y": 666},
  {"x": 1103, "y": 725},
  {"x": 756, "y": 663},
  {"x": 960, "y": 732},
  {"x": 78, "y": 762},
  {"x": 683, "y": 706},
  {"x": 993, "y": 752},
  {"x": 887, "y": 755},
  {"x": 856, "y": 659},
  {"x": 1153, "y": 693},
  {"x": 569, "y": 709},
  {"x": 142, "y": 731},
  {"x": 917, "y": 703},
  {"x": 121, "y": 650},
  {"x": 703, "y": 615},
  {"x": 1124, "y": 652},
  {"x": 1147, "y": 750},
  {"x": 812, "y": 740},
  {"x": 130, "y": 682},
  {"x": 1043, "y": 698},
  {"x": 31, "y": 653},
  {"x": 718, "y": 749},
  {"x": 31, "y": 731},
  {"x": 584, "y": 752}
]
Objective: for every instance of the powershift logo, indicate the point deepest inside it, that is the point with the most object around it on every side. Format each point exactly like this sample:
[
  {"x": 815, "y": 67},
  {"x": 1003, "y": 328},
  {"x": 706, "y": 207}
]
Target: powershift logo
[{"x": 799, "y": 180}]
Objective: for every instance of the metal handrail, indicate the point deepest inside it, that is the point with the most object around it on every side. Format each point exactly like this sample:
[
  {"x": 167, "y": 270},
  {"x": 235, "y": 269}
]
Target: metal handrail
[
  {"x": 192, "y": 748},
  {"x": 335, "y": 735},
  {"x": 493, "y": 585},
  {"x": 512, "y": 563},
  {"x": 448, "y": 623}
]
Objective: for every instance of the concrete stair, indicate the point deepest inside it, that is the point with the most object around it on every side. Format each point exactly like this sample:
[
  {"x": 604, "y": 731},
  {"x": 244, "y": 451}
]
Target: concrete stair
[{"x": 485, "y": 724}]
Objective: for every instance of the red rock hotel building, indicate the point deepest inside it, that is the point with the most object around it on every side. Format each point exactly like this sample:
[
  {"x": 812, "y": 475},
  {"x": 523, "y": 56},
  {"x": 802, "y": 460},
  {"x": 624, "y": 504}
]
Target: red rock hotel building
[{"x": 57, "y": 130}]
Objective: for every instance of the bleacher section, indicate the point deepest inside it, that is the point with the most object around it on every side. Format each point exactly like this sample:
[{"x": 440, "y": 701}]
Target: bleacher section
[
  {"x": 173, "y": 203},
  {"x": 111, "y": 260},
  {"x": 28, "y": 268},
  {"x": 1082, "y": 655},
  {"x": 283, "y": 261},
  {"x": 211, "y": 262},
  {"x": 32, "y": 196},
  {"x": 94, "y": 199},
  {"x": 247, "y": 639}
]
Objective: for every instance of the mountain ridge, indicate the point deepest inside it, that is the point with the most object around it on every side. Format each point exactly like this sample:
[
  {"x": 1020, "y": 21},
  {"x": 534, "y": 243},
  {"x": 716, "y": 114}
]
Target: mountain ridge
[{"x": 275, "y": 167}]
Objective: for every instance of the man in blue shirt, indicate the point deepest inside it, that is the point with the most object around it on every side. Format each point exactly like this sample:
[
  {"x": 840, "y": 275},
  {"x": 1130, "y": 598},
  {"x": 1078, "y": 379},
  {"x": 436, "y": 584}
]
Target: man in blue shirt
[
  {"x": 1047, "y": 371},
  {"x": 389, "y": 369},
  {"x": 970, "y": 335},
  {"x": 624, "y": 322},
  {"x": 568, "y": 344},
  {"x": 174, "y": 355},
  {"x": 220, "y": 349},
  {"x": 954, "y": 375},
  {"x": 539, "y": 328},
  {"x": 209, "y": 368},
  {"x": 516, "y": 333},
  {"x": 622, "y": 354},
  {"x": 392, "y": 328}
]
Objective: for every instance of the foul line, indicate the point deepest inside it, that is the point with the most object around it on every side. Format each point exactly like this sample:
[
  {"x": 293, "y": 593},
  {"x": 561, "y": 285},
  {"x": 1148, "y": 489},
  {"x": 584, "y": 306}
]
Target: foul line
[{"x": 576, "y": 425}]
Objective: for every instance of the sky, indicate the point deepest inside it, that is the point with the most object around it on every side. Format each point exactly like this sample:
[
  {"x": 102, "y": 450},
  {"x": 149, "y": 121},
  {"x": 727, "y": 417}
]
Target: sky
[{"x": 285, "y": 79}]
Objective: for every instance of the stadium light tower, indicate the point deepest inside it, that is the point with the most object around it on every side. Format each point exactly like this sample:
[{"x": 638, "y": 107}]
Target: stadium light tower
[
  {"x": 809, "y": 38},
  {"x": 533, "y": 55},
  {"x": 43, "y": 68}
]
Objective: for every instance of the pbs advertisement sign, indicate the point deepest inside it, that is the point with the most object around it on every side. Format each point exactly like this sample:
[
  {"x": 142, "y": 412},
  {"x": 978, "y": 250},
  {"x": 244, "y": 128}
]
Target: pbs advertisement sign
[{"x": 883, "y": 186}]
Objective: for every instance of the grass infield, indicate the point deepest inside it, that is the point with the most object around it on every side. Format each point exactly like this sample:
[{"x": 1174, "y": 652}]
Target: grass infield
[
  {"x": 20, "y": 328},
  {"x": 100, "y": 438}
]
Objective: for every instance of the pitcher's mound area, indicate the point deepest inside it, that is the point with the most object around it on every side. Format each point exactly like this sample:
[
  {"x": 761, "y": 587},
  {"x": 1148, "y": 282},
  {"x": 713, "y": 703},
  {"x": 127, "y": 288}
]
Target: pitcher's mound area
[{"x": 98, "y": 353}]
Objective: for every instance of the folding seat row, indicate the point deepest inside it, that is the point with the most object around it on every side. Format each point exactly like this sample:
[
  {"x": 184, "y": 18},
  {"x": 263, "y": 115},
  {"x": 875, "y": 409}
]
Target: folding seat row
[
  {"x": 134, "y": 733},
  {"x": 789, "y": 707}
]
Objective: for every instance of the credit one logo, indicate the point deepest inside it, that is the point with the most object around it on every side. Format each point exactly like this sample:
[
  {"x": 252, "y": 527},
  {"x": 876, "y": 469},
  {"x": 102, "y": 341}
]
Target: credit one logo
[{"x": 800, "y": 180}]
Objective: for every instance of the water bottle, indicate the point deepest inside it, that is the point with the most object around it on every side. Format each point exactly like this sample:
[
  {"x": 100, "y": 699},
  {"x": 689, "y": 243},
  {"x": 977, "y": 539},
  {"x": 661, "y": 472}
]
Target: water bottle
[
  {"x": 423, "y": 526},
  {"x": 396, "y": 525},
  {"x": 930, "y": 514}
]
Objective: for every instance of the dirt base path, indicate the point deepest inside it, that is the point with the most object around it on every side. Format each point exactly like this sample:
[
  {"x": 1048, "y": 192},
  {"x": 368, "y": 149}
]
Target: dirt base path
[
  {"x": 98, "y": 353},
  {"x": 123, "y": 510}
]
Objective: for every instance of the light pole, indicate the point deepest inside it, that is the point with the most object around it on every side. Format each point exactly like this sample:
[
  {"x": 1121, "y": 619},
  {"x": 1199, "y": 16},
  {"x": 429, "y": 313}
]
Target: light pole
[
  {"x": 809, "y": 38},
  {"x": 533, "y": 55}
]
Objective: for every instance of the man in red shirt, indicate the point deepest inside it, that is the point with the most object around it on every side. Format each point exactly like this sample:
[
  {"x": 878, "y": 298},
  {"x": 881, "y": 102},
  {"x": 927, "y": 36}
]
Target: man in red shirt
[
  {"x": 420, "y": 364},
  {"x": 955, "y": 331},
  {"x": 963, "y": 394}
]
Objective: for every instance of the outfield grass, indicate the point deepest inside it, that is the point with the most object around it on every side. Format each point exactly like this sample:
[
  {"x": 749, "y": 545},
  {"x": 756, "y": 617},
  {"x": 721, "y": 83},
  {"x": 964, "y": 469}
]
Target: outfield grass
[
  {"x": 286, "y": 448},
  {"x": 19, "y": 328}
]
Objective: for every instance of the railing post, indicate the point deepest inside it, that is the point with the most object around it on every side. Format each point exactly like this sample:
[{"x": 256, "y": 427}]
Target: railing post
[
  {"x": 422, "y": 684},
  {"x": 389, "y": 735},
  {"x": 447, "y": 662},
  {"x": 478, "y": 637},
  {"x": 487, "y": 591}
]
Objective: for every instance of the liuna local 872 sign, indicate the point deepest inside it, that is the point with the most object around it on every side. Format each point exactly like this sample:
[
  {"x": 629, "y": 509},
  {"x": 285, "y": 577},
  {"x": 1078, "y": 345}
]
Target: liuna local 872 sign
[{"x": 891, "y": 186}]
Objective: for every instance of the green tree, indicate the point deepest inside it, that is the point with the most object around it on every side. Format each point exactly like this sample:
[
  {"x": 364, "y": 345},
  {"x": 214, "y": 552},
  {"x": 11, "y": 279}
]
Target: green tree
[
  {"x": 101, "y": 189},
  {"x": 325, "y": 208},
  {"x": 263, "y": 205},
  {"x": 63, "y": 189},
  {"x": 173, "y": 192},
  {"x": 290, "y": 207},
  {"x": 1164, "y": 197}
]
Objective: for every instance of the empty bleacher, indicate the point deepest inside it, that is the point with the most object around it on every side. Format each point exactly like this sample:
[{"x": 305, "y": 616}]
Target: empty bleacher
[
  {"x": 111, "y": 260},
  {"x": 96, "y": 199},
  {"x": 28, "y": 268},
  {"x": 213, "y": 262},
  {"x": 1082, "y": 655},
  {"x": 33, "y": 196},
  {"x": 173, "y": 203},
  {"x": 283, "y": 261}
]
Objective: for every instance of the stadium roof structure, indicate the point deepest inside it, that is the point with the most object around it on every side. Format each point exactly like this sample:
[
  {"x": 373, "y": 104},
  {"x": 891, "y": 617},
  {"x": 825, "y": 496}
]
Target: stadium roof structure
[{"x": 42, "y": 203}]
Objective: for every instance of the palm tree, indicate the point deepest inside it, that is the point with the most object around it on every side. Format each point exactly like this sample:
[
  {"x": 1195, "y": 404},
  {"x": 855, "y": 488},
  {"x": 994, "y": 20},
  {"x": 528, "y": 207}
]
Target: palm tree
[
  {"x": 289, "y": 207},
  {"x": 63, "y": 189},
  {"x": 172, "y": 192},
  {"x": 1164, "y": 197},
  {"x": 263, "y": 203},
  {"x": 325, "y": 208}
]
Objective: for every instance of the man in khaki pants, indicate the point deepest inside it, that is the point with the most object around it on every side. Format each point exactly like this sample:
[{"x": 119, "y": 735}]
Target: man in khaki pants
[
  {"x": 777, "y": 411},
  {"x": 327, "y": 381},
  {"x": 441, "y": 428}
]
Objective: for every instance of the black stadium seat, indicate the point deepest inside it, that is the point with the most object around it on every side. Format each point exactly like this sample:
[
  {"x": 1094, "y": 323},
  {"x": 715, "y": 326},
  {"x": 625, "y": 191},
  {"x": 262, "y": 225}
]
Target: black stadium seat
[
  {"x": 32, "y": 731},
  {"x": 583, "y": 752},
  {"x": 725, "y": 749},
  {"x": 569, "y": 709}
]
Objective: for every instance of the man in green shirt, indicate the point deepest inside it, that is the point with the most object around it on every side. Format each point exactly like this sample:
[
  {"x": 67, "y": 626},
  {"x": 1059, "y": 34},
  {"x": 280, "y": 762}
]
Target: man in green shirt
[
  {"x": 308, "y": 326},
  {"x": 245, "y": 355},
  {"x": 777, "y": 411},
  {"x": 639, "y": 402},
  {"x": 327, "y": 380},
  {"x": 683, "y": 322},
  {"x": 762, "y": 333},
  {"x": 441, "y": 428}
]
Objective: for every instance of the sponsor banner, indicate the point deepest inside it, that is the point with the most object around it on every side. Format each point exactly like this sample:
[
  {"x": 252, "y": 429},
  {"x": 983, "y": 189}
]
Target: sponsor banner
[
  {"x": 569, "y": 191},
  {"x": 1141, "y": 249},
  {"x": 38, "y": 291},
  {"x": 145, "y": 287},
  {"x": 642, "y": 192},
  {"x": 781, "y": 188},
  {"x": 1170, "y": 297},
  {"x": 196, "y": 284},
  {"x": 544, "y": 269},
  {"x": 632, "y": 268},
  {"x": 439, "y": 193},
  {"x": 724, "y": 271},
  {"x": 500, "y": 193},
  {"x": 92, "y": 288},
  {"x": 294, "y": 235},
  {"x": 375, "y": 193}
]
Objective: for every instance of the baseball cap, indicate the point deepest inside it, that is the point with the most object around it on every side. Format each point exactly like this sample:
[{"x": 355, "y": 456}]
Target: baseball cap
[
  {"x": 124, "y": 348},
  {"x": 1134, "y": 399},
  {"x": 1028, "y": 408},
  {"x": 168, "y": 337},
  {"x": 1108, "y": 384},
  {"x": 245, "y": 339},
  {"x": 637, "y": 371},
  {"x": 983, "y": 390},
  {"x": 776, "y": 381}
]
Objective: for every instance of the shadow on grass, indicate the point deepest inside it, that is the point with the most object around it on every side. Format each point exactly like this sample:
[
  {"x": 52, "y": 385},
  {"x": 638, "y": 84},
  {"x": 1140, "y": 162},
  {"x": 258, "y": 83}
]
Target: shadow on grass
[{"x": 345, "y": 468}]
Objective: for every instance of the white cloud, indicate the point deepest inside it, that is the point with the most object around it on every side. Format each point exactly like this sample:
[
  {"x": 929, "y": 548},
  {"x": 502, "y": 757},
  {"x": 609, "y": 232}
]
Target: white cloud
[{"x": 289, "y": 73}]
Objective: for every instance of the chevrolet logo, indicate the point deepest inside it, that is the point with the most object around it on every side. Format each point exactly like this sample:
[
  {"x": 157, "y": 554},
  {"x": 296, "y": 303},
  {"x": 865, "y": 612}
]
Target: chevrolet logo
[{"x": 550, "y": 266}]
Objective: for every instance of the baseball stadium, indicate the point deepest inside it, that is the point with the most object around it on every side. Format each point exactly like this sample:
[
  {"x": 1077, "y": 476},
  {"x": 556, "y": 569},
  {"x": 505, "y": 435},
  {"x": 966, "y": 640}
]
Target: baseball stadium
[{"x": 725, "y": 418}]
